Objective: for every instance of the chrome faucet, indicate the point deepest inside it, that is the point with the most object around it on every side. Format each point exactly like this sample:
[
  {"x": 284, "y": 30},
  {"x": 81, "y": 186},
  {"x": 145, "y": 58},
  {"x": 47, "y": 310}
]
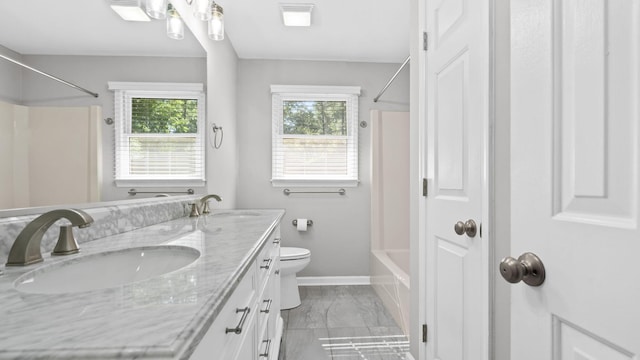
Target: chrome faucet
[
  {"x": 26, "y": 248},
  {"x": 204, "y": 202}
]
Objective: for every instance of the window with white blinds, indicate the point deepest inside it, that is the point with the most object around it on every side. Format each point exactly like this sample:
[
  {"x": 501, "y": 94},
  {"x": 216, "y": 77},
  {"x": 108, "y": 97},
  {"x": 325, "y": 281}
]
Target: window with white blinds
[
  {"x": 314, "y": 135},
  {"x": 159, "y": 134}
]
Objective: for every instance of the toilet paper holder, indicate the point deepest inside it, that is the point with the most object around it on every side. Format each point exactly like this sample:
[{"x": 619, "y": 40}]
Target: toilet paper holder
[{"x": 295, "y": 222}]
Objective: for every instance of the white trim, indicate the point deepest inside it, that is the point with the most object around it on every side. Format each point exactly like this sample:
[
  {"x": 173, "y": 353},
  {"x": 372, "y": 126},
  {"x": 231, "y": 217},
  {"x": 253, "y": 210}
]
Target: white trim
[
  {"x": 312, "y": 89},
  {"x": 279, "y": 331},
  {"x": 348, "y": 94},
  {"x": 314, "y": 183},
  {"x": 124, "y": 92},
  {"x": 154, "y": 86},
  {"x": 333, "y": 280},
  {"x": 159, "y": 183}
]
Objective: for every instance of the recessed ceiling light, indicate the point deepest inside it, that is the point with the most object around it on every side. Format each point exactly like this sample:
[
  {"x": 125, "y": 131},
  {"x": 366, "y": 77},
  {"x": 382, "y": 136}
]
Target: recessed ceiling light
[
  {"x": 296, "y": 14},
  {"x": 130, "y": 10}
]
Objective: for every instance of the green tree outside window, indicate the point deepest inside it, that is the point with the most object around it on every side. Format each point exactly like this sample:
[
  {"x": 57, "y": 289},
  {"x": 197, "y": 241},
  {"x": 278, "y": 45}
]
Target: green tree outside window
[
  {"x": 164, "y": 116},
  {"x": 315, "y": 118}
]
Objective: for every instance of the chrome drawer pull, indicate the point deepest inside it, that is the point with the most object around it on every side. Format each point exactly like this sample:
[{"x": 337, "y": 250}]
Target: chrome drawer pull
[
  {"x": 276, "y": 241},
  {"x": 267, "y": 348},
  {"x": 238, "y": 329},
  {"x": 268, "y": 261},
  {"x": 268, "y": 308}
]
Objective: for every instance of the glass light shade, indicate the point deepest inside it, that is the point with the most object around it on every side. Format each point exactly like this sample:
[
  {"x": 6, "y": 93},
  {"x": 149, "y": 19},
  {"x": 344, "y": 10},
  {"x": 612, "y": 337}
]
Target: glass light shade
[
  {"x": 216, "y": 24},
  {"x": 175, "y": 26},
  {"x": 156, "y": 9},
  {"x": 202, "y": 9}
]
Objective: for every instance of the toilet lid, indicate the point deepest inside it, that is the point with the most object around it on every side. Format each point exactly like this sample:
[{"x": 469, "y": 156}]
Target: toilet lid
[{"x": 293, "y": 253}]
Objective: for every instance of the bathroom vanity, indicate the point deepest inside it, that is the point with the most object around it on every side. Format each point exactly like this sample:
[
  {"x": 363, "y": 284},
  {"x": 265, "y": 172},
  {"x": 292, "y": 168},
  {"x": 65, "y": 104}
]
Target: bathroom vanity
[
  {"x": 221, "y": 303},
  {"x": 250, "y": 322}
]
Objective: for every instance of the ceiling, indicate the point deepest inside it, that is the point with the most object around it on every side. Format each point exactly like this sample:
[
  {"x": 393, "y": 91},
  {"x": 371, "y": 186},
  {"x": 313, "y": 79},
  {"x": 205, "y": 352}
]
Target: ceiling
[
  {"x": 346, "y": 30},
  {"x": 85, "y": 27},
  {"x": 350, "y": 30}
]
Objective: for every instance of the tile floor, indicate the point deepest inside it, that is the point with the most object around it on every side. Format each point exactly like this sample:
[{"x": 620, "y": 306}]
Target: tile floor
[{"x": 341, "y": 323}]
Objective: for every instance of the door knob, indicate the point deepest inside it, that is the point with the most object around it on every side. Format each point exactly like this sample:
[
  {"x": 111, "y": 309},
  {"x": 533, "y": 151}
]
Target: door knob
[
  {"x": 468, "y": 227},
  {"x": 528, "y": 268}
]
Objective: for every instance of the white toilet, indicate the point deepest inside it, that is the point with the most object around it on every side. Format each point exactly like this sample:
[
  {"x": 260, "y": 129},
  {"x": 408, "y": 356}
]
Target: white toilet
[{"x": 292, "y": 260}]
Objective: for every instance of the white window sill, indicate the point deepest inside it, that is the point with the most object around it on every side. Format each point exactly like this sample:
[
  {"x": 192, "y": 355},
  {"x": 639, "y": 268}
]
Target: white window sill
[
  {"x": 159, "y": 183},
  {"x": 313, "y": 183}
]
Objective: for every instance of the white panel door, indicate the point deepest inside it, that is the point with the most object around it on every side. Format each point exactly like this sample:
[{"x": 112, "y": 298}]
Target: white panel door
[
  {"x": 457, "y": 116},
  {"x": 574, "y": 141}
]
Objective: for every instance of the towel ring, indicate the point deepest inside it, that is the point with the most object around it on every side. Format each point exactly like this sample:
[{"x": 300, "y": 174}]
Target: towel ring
[{"x": 215, "y": 129}]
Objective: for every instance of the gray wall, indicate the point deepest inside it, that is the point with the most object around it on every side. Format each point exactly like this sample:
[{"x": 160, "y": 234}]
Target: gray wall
[
  {"x": 222, "y": 163},
  {"x": 222, "y": 70},
  {"x": 339, "y": 240},
  {"x": 93, "y": 73},
  {"x": 10, "y": 77}
]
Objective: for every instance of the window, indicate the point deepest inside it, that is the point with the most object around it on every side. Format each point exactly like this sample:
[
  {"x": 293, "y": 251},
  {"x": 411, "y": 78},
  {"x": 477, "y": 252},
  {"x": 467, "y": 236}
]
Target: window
[
  {"x": 159, "y": 134},
  {"x": 315, "y": 135}
]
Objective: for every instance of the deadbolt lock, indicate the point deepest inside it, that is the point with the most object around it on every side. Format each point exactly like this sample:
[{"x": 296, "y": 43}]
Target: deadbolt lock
[
  {"x": 528, "y": 268},
  {"x": 469, "y": 227}
]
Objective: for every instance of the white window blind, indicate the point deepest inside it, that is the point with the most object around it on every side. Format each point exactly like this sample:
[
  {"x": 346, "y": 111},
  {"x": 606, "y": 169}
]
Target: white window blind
[
  {"x": 159, "y": 134},
  {"x": 314, "y": 136}
]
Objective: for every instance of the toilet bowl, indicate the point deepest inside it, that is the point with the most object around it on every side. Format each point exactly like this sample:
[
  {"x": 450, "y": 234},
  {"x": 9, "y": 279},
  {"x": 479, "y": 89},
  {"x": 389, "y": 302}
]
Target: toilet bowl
[{"x": 292, "y": 260}]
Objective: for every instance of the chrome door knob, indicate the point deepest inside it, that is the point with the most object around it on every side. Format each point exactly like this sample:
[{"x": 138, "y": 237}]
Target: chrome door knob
[
  {"x": 469, "y": 227},
  {"x": 528, "y": 268}
]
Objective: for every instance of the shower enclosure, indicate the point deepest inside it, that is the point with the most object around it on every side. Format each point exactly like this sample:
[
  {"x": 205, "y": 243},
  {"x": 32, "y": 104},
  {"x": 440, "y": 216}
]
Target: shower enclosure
[{"x": 389, "y": 265}]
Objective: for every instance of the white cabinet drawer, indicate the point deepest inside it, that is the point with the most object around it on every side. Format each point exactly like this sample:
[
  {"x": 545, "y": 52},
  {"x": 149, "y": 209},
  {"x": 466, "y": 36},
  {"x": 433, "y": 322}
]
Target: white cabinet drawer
[
  {"x": 270, "y": 334},
  {"x": 267, "y": 303},
  {"x": 268, "y": 257},
  {"x": 233, "y": 323}
]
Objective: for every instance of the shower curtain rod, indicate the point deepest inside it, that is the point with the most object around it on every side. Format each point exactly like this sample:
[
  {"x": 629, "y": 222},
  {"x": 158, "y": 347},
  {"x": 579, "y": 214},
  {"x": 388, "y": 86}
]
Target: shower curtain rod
[
  {"x": 49, "y": 75},
  {"x": 375, "y": 99}
]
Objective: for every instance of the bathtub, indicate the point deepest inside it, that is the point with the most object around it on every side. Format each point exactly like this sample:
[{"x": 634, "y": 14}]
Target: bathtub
[
  {"x": 389, "y": 259},
  {"x": 390, "y": 280}
]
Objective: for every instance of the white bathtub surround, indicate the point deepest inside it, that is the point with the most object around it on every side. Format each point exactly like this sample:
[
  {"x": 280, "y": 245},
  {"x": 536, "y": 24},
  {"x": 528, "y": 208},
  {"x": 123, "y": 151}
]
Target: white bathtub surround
[
  {"x": 389, "y": 260},
  {"x": 161, "y": 318},
  {"x": 392, "y": 284}
]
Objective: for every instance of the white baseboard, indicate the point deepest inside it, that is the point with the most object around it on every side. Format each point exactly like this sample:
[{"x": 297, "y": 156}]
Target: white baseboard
[{"x": 333, "y": 280}]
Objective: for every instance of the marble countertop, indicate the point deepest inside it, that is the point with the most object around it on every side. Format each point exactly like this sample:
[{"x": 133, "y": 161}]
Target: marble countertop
[{"x": 160, "y": 318}]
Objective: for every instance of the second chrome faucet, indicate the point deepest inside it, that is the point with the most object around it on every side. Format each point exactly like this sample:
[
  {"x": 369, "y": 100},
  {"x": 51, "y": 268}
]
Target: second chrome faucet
[{"x": 202, "y": 206}]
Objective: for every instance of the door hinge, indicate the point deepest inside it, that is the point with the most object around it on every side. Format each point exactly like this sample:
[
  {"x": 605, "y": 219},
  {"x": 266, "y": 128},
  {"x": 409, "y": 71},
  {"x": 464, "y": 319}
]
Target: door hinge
[
  {"x": 425, "y": 184},
  {"x": 424, "y": 333},
  {"x": 425, "y": 41}
]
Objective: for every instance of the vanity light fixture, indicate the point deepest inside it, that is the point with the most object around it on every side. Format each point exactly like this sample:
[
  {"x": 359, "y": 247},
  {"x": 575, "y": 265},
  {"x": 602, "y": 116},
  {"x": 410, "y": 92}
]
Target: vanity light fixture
[
  {"x": 206, "y": 10},
  {"x": 129, "y": 10},
  {"x": 175, "y": 26},
  {"x": 296, "y": 14},
  {"x": 216, "y": 24},
  {"x": 156, "y": 9}
]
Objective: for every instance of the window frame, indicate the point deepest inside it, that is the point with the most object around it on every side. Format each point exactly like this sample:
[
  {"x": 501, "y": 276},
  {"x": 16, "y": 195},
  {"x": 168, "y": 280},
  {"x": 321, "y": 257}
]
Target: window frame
[
  {"x": 123, "y": 93},
  {"x": 349, "y": 94}
]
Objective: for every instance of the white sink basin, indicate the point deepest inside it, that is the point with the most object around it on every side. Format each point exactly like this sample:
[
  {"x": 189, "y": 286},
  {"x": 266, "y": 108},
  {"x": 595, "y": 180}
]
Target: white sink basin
[{"x": 106, "y": 270}]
